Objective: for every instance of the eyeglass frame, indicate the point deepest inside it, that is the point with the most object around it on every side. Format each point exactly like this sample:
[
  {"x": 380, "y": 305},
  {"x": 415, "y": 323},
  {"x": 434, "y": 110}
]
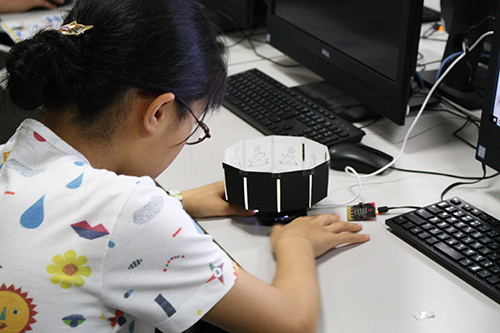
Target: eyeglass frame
[{"x": 200, "y": 124}]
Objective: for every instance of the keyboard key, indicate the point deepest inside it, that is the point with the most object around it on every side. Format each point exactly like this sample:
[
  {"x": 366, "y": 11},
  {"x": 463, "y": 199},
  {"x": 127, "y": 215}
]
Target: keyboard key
[
  {"x": 416, "y": 230},
  {"x": 432, "y": 240},
  {"x": 434, "y": 209},
  {"x": 451, "y": 209},
  {"x": 485, "y": 251},
  {"x": 435, "y": 231},
  {"x": 424, "y": 214},
  {"x": 467, "y": 219},
  {"x": 443, "y": 236},
  {"x": 427, "y": 226},
  {"x": 474, "y": 268},
  {"x": 469, "y": 230},
  {"x": 424, "y": 235},
  {"x": 442, "y": 225},
  {"x": 451, "y": 230},
  {"x": 495, "y": 256},
  {"x": 494, "y": 245},
  {"x": 484, "y": 274},
  {"x": 467, "y": 252},
  {"x": 495, "y": 270},
  {"x": 493, "y": 279},
  {"x": 459, "y": 225},
  {"x": 477, "y": 235},
  {"x": 448, "y": 251},
  {"x": 487, "y": 263},
  {"x": 407, "y": 225},
  {"x": 476, "y": 246},
  {"x": 442, "y": 204},
  {"x": 443, "y": 215},
  {"x": 477, "y": 258},
  {"x": 466, "y": 262},
  {"x": 458, "y": 235},
  {"x": 467, "y": 208},
  {"x": 434, "y": 220},
  {"x": 415, "y": 219},
  {"x": 467, "y": 240}
]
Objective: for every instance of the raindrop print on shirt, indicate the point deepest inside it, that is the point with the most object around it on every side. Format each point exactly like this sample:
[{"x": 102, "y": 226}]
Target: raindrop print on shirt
[
  {"x": 77, "y": 182},
  {"x": 33, "y": 217}
]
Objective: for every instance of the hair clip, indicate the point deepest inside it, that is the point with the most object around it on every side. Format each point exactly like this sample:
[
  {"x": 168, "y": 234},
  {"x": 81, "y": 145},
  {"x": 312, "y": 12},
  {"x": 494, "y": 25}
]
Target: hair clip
[{"x": 74, "y": 29}]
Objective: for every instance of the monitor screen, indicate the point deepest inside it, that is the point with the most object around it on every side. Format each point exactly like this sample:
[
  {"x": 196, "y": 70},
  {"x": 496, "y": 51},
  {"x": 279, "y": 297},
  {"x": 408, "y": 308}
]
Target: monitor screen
[
  {"x": 366, "y": 48},
  {"x": 488, "y": 150}
]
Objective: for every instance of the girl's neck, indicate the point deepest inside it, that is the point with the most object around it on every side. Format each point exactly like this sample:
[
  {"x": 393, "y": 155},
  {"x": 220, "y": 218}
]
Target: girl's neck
[{"x": 97, "y": 148}]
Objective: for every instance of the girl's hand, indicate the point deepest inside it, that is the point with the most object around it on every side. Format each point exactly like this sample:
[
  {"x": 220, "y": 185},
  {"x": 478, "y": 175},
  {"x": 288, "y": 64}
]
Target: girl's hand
[
  {"x": 209, "y": 201},
  {"x": 320, "y": 232}
]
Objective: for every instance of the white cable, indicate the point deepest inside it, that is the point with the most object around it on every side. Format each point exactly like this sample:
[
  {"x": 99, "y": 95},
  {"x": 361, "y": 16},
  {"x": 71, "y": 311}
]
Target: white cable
[{"x": 352, "y": 172}]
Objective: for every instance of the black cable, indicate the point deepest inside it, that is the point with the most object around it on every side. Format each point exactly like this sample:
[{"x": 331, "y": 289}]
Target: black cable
[
  {"x": 446, "y": 190},
  {"x": 250, "y": 41},
  {"x": 455, "y": 134},
  {"x": 434, "y": 173},
  {"x": 422, "y": 67},
  {"x": 430, "y": 31},
  {"x": 269, "y": 59},
  {"x": 385, "y": 209},
  {"x": 461, "y": 114}
]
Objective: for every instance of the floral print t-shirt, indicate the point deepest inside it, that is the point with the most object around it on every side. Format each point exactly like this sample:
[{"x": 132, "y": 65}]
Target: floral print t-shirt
[{"x": 86, "y": 250}]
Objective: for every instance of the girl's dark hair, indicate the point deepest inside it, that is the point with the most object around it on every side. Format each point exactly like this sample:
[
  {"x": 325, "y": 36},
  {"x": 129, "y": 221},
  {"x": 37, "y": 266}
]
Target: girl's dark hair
[{"x": 154, "y": 46}]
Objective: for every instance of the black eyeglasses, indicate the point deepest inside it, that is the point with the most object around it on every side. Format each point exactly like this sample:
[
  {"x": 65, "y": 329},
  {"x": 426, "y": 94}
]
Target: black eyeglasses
[{"x": 196, "y": 134}]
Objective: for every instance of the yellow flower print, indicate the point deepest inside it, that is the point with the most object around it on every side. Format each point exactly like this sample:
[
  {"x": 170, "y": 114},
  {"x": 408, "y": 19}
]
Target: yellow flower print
[
  {"x": 69, "y": 270},
  {"x": 5, "y": 157}
]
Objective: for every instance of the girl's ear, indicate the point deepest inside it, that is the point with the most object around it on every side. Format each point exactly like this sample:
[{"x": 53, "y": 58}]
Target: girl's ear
[{"x": 157, "y": 110}]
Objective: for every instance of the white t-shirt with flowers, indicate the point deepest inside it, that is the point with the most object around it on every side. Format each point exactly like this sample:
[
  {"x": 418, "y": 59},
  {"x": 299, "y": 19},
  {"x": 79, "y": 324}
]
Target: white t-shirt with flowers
[{"x": 87, "y": 250}]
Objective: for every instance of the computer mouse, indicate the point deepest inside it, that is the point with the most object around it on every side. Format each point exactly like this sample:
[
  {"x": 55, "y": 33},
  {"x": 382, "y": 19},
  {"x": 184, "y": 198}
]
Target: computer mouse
[{"x": 362, "y": 158}]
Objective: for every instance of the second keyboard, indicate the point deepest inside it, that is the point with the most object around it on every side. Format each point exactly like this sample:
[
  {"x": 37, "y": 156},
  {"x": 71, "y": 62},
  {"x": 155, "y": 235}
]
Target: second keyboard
[{"x": 273, "y": 108}]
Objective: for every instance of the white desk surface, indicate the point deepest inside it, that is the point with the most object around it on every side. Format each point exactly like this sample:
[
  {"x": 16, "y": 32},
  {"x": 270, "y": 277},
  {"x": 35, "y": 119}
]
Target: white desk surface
[{"x": 379, "y": 285}]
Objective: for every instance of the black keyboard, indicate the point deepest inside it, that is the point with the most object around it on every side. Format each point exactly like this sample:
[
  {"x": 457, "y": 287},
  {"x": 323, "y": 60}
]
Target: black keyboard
[
  {"x": 460, "y": 237},
  {"x": 273, "y": 108}
]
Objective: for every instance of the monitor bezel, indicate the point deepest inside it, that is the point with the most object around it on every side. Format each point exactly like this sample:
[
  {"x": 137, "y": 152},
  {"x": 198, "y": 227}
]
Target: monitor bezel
[
  {"x": 488, "y": 150},
  {"x": 386, "y": 97}
]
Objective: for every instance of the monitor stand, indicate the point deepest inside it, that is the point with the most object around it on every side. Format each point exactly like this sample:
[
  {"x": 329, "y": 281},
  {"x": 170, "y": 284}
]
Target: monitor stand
[
  {"x": 337, "y": 101},
  {"x": 347, "y": 107}
]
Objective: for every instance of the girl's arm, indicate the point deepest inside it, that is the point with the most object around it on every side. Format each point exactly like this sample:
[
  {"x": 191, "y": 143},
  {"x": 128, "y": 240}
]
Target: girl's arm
[{"x": 292, "y": 302}]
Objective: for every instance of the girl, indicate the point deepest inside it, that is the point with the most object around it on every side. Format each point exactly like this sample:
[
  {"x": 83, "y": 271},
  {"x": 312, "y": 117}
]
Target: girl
[{"x": 91, "y": 241}]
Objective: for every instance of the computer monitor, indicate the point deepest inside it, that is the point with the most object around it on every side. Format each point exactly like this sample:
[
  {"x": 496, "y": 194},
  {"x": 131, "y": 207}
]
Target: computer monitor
[
  {"x": 232, "y": 15},
  {"x": 465, "y": 19},
  {"x": 365, "y": 51},
  {"x": 488, "y": 151}
]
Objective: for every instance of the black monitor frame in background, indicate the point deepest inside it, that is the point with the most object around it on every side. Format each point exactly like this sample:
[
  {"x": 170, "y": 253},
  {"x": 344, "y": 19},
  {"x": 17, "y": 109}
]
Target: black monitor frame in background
[
  {"x": 465, "y": 84},
  {"x": 234, "y": 15},
  {"x": 488, "y": 151},
  {"x": 385, "y": 95}
]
